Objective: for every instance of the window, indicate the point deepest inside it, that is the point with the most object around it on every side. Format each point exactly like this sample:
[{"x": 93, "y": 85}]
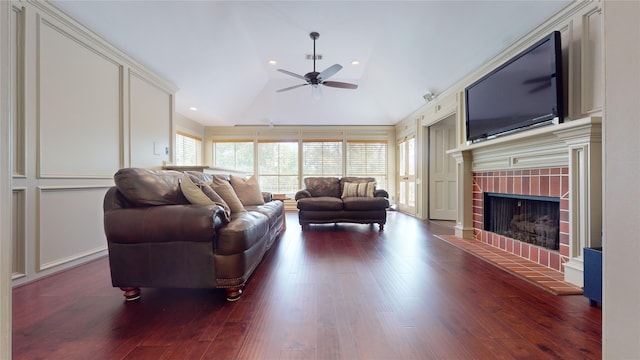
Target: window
[
  {"x": 278, "y": 167},
  {"x": 368, "y": 158},
  {"x": 234, "y": 155},
  {"x": 188, "y": 149},
  {"x": 321, "y": 158}
]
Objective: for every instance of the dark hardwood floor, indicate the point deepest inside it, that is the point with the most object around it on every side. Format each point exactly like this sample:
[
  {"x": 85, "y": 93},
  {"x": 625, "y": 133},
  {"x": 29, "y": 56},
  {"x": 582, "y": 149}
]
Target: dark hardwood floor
[{"x": 343, "y": 292}]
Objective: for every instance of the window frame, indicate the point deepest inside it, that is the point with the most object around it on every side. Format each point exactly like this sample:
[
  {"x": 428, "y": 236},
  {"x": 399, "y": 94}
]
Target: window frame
[
  {"x": 198, "y": 149},
  {"x": 235, "y": 141},
  {"x": 303, "y": 159},
  {"x": 382, "y": 179}
]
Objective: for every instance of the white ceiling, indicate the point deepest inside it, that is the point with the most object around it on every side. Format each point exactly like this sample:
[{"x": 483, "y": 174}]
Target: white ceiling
[{"x": 217, "y": 52}]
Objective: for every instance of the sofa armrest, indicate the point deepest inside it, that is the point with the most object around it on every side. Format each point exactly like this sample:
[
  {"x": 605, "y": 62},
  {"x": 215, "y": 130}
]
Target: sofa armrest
[
  {"x": 302, "y": 194},
  {"x": 166, "y": 223},
  {"x": 381, "y": 193}
]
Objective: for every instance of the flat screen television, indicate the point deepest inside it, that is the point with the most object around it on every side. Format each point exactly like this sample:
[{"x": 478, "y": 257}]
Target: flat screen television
[{"x": 523, "y": 92}]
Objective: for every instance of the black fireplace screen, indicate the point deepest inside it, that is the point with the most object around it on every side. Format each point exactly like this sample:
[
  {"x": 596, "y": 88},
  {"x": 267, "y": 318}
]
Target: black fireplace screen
[{"x": 531, "y": 219}]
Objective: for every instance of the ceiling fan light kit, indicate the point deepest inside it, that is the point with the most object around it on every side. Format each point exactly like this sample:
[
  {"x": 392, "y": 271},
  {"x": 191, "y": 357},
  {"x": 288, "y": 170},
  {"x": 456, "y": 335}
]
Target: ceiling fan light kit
[{"x": 315, "y": 78}]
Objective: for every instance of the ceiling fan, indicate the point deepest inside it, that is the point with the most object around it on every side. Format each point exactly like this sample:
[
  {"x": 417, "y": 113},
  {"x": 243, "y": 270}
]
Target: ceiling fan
[{"x": 315, "y": 78}]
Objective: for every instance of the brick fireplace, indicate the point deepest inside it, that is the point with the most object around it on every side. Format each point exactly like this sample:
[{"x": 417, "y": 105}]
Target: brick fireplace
[
  {"x": 563, "y": 161},
  {"x": 548, "y": 182}
]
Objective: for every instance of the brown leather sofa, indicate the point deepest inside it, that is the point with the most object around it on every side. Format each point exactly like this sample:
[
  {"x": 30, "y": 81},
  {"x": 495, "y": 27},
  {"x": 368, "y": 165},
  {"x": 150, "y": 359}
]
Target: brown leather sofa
[
  {"x": 157, "y": 238},
  {"x": 324, "y": 201}
]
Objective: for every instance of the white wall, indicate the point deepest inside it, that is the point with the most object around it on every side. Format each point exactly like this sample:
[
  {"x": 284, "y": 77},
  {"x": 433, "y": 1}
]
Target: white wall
[
  {"x": 151, "y": 128},
  {"x": 186, "y": 125},
  {"x": 81, "y": 110},
  {"x": 621, "y": 250}
]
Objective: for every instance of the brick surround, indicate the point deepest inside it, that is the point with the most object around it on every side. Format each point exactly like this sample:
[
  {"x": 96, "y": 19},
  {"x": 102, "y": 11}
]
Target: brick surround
[{"x": 537, "y": 182}]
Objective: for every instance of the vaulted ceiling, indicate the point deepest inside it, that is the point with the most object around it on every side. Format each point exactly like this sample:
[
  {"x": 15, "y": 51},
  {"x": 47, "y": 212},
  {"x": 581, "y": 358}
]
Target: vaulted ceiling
[{"x": 217, "y": 52}]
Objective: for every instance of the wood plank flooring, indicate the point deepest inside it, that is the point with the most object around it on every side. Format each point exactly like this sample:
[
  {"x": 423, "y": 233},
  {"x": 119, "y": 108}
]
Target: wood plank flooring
[{"x": 333, "y": 292}]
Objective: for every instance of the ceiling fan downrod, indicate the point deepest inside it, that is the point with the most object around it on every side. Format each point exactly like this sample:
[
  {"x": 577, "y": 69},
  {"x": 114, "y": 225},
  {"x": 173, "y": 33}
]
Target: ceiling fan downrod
[{"x": 314, "y": 36}]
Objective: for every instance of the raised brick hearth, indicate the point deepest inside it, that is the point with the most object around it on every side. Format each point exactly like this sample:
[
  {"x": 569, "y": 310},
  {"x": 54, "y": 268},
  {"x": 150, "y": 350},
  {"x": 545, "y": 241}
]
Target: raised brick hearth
[{"x": 552, "y": 182}]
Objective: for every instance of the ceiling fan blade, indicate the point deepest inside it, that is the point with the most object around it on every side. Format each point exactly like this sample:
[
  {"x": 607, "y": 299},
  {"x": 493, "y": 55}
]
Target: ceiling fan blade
[
  {"x": 291, "y": 74},
  {"x": 338, "y": 84},
  {"x": 330, "y": 71},
  {"x": 291, "y": 87}
]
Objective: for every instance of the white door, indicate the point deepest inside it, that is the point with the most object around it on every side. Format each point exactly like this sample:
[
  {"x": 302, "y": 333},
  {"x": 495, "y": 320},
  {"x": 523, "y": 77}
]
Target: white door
[
  {"x": 442, "y": 170},
  {"x": 407, "y": 175}
]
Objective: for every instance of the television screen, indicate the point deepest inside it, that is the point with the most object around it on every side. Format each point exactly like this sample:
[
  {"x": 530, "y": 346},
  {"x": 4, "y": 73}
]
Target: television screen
[{"x": 525, "y": 91}]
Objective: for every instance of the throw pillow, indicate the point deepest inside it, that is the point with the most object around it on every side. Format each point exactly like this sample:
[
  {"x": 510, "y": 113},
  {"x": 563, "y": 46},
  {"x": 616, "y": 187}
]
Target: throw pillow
[
  {"x": 224, "y": 189},
  {"x": 248, "y": 190},
  {"x": 199, "y": 193},
  {"x": 358, "y": 189}
]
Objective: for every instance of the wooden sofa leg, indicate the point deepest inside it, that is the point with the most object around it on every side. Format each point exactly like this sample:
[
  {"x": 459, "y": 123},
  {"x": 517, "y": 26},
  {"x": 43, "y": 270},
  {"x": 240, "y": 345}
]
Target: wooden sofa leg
[
  {"x": 381, "y": 226},
  {"x": 131, "y": 293},
  {"x": 233, "y": 294}
]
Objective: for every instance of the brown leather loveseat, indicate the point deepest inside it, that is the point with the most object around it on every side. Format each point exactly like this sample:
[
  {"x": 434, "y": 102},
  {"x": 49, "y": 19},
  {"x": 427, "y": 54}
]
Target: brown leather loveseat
[
  {"x": 349, "y": 199},
  {"x": 159, "y": 238}
]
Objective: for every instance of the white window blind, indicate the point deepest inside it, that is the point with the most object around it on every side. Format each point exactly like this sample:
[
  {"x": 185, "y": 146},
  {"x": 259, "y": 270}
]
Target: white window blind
[
  {"x": 322, "y": 158},
  {"x": 368, "y": 158},
  {"x": 234, "y": 155},
  {"x": 188, "y": 149},
  {"x": 278, "y": 167}
]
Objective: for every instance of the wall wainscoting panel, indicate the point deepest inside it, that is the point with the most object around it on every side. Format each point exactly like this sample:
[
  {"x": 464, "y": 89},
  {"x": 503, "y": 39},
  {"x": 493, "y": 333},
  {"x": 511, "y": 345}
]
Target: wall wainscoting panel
[
  {"x": 79, "y": 128},
  {"x": 70, "y": 224},
  {"x": 150, "y": 123},
  {"x": 592, "y": 62},
  {"x": 17, "y": 84},
  {"x": 18, "y": 232},
  {"x": 571, "y": 76}
]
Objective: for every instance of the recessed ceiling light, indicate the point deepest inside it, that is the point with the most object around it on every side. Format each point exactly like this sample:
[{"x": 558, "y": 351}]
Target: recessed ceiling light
[
  {"x": 355, "y": 62},
  {"x": 193, "y": 108},
  {"x": 272, "y": 62}
]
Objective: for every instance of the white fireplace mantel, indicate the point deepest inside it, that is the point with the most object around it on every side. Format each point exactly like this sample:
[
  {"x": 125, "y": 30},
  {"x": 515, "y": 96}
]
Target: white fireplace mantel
[{"x": 575, "y": 144}]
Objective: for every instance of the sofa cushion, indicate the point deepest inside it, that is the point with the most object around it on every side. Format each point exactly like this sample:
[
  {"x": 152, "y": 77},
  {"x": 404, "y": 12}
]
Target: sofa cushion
[
  {"x": 224, "y": 189},
  {"x": 322, "y": 203},
  {"x": 365, "y": 203},
  {"x": 200, "y": 193},
  {"x": 354, "y": 179},
  {"x": 145, "y": 187},
  {"x": 364, "y": 189},
  {"x": 247, "y": 190},
  {"x": 243, "y": 232},
  {"x": 323, "y": 186},
  {"x": 274, "y": 210}
]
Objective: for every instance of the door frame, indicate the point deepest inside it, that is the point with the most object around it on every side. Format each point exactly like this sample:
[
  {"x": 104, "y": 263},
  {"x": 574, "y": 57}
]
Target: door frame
[{"x": 428, "y": 121}]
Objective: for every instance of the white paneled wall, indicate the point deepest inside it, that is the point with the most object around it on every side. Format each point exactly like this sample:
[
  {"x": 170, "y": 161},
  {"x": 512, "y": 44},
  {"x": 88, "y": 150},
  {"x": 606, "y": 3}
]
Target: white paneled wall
[
  {"x": 79, "y": 100},
  {"x": 152, "y": 133},
  {"x": 81, "y": 110},
  {"x": 71, "y": 216}
]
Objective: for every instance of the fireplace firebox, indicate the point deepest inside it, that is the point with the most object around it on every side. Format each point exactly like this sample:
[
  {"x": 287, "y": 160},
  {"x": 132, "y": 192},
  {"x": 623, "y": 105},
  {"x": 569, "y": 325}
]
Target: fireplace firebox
[{"x": 531, "y": 219}]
